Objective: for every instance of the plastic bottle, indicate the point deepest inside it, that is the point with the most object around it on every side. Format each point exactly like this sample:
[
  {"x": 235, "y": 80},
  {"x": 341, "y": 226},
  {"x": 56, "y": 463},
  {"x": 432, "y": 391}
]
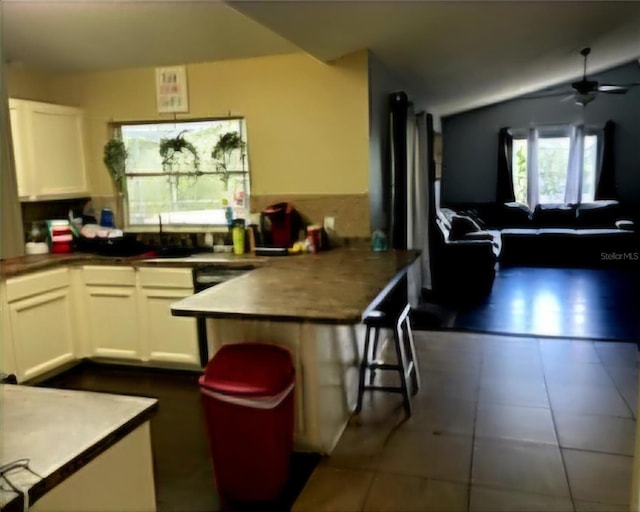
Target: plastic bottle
[{"x": 379, "y": 241}]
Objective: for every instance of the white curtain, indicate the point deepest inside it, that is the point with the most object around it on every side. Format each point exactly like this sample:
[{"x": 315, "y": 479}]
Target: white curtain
[
  {"x": 419, "y": 275},
  {"x": 576, "y": 160},
  {"x": 532, "y": 169}
]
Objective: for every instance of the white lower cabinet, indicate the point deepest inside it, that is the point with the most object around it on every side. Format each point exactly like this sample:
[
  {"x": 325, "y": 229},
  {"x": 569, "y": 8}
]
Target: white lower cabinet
[
  {"x": 118, "y": 313},
  {"x": 128, "y": 315},
  {"x": 7, "y": 355},
  {"x": 111, "y": 308},
  {"x": 166, "y": 338},
  {"x": 39, "y": 312}
]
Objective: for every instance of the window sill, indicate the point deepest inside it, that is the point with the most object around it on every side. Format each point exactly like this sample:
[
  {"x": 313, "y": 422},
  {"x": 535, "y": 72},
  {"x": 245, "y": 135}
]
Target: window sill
[{"x": 177, "y": 229}]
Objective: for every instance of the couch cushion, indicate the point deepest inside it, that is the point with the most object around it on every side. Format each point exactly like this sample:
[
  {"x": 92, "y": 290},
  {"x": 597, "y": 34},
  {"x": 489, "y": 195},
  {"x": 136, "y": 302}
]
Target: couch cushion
[
  {"x": 461, "y": 225},
  {"x": 554, "y": 216},
  {"x": 514, "y": 215},
  {"x": 598, "y": 214}
]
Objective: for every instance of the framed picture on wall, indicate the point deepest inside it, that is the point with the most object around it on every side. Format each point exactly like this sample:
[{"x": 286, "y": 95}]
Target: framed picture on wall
[{"x": 171, "y": 90}]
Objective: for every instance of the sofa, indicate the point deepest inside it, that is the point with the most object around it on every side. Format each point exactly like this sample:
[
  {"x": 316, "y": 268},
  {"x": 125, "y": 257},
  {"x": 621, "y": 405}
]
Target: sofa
[
  {"x": 464, "y": 257},
  {"x": 599, "y": 233}
]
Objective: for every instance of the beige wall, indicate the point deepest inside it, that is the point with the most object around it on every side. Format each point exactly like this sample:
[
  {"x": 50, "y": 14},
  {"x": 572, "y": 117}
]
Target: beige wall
[
  {"x": 28, "y": 85},
  {"x": 307, "y": 121}
]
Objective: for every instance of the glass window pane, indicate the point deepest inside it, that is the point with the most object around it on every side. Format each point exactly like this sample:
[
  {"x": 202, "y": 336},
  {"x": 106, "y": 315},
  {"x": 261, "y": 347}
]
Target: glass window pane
[
  {"x": 519, "y": 170},
  {"x": 184, "y": 200},
  {"x": 589, "y": 168},
  {"x": 553, "y": 161},
  {"x": 180, "y": 198}
]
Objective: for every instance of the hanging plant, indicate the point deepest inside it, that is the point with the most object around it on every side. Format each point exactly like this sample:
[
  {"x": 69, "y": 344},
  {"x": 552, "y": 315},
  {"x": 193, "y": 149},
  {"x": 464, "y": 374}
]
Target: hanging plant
[
  {"x": 170, "y": 147},
  {"x": 226, "y": 145},
  {"x": 114, "y": 158}
]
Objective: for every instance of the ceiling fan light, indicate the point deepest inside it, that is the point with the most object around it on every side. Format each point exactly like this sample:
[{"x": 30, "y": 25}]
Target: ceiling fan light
[{"x": 584, "y": 99}]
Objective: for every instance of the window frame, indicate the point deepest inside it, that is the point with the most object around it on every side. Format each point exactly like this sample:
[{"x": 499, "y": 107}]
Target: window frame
[
  {"x": 184, "y": 227},
  {"x": 556, "y": 131}
]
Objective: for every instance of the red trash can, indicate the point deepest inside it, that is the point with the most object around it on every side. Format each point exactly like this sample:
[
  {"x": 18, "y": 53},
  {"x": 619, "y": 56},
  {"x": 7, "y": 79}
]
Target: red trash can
[{"x": 247, "y": 395}]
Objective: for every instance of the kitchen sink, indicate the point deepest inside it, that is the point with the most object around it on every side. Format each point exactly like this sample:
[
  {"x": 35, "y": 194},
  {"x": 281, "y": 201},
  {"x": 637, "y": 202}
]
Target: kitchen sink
[{"x": 175, "y": 252}]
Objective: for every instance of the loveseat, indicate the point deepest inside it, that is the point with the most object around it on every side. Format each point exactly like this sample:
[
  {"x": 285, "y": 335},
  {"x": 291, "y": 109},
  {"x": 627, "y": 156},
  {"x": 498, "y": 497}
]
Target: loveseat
[{"x": 600, "y": 233}]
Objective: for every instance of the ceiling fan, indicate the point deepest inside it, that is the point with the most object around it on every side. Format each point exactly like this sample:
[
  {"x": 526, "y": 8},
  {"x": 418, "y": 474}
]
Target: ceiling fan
[{"x": 584, "y": 91}]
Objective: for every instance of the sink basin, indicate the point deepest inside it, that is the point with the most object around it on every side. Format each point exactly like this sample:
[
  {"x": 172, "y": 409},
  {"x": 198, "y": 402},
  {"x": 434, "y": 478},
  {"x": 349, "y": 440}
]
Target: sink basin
[{"x": 175, "y": 252}]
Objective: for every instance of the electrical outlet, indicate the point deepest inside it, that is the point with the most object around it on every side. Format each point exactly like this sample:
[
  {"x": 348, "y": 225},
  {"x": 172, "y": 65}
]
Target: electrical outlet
[{"x": 329, "y": 224}]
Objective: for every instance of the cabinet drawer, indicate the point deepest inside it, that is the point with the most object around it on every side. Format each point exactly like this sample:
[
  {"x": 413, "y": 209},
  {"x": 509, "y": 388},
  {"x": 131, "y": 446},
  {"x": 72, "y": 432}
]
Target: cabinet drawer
[
  {"x": 166, "y": 278},
  {"x": 109, "y": 276},
  {"x": 34, "y": 284}
]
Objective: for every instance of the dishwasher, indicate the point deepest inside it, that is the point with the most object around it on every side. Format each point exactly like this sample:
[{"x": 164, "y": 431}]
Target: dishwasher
[{"x": 205, "y": 277}]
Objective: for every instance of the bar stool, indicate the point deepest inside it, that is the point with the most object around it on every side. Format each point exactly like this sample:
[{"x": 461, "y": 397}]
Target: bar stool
[{"x": 406, "y": 365}]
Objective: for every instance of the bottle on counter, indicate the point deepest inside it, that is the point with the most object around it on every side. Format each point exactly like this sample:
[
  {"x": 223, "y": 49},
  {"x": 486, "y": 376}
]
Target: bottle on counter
[
  {"x": 379, "y": 241},
  {"x": 237, "y": 235}
]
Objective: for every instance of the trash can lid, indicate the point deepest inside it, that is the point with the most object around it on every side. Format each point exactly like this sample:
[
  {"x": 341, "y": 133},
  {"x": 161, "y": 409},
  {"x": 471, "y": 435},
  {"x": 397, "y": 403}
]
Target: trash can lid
[{"x": 249, "y": 369}]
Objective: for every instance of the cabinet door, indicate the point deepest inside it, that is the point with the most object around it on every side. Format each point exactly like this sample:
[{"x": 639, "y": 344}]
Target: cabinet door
[
  {"x": 50, "y": 159},
  {"x": 7, "y": 356},
  {"x": 112, "y": 321},
  {"x": 42, "y": 331},
  {"x": 168, "y": 338}
]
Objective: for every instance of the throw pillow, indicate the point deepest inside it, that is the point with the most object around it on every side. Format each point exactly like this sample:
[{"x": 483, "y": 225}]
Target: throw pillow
[{"x": 461, "y": 225}]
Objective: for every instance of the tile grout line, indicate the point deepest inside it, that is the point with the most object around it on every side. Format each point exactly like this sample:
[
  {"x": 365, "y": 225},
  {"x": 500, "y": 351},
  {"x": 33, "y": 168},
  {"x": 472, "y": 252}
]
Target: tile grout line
[
  {"x": 555, "y": 430},
  {"x": 473, "y": 433},
  {"x": 615, "y": 384}
]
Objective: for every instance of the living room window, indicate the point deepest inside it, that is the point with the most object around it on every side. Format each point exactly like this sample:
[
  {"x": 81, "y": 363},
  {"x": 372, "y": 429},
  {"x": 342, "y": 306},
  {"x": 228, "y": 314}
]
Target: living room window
[
  {"x": 193, "y": 187},
  {"x": 555, "y": 164}
]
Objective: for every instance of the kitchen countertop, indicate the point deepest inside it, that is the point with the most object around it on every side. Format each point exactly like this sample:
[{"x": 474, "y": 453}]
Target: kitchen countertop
[
  {"x": 26, "y": 264},
  {"x": 35, "y": 425},
  {"x": 334, "y": 287}
]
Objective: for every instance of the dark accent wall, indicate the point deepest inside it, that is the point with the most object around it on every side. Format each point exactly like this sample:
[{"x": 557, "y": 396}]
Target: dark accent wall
[{"x": 471, "y": 138}]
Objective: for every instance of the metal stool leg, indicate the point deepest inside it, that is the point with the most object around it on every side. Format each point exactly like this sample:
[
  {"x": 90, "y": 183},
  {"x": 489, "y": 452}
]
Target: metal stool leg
[
  {"x": 413, "y": 360},
  {"x": 403, "y": 367},
  {"x": 364, "y": 365},
  {"x": 374, "y": 353}
]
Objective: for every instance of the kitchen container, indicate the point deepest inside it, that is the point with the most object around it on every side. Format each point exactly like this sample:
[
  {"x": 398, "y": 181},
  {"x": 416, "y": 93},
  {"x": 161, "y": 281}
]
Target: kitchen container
[
  {"x": 106, "y": 218},
  {"x": 247, "y": 395},
  {"x": 314, "y": 236},
  {"x": 60, "y": 236},
  {"x": 238, "y": 235}
]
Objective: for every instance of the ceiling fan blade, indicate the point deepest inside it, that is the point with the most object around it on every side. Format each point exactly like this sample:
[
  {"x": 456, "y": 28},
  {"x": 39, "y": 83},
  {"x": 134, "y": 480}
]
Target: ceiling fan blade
[
  {"x": 613, "y": 89},
  {"x": 569, "y": 97}
]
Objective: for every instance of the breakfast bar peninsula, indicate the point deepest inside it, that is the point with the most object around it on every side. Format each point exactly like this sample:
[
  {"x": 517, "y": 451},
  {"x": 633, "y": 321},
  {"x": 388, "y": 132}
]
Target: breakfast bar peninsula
[{"x": 312, "y": 304}]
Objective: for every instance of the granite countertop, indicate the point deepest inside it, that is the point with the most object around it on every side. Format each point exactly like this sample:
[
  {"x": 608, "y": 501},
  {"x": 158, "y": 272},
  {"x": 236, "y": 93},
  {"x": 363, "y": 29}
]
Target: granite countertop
[
  {"x": 335, "y": 287},
  {"x": 34, "y": 425},
  {"x": 27, "y": 264}
]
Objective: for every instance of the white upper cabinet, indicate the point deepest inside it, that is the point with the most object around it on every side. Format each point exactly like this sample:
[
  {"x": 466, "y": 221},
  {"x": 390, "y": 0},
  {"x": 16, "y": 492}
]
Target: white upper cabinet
[{"x": 48, "y": 142}]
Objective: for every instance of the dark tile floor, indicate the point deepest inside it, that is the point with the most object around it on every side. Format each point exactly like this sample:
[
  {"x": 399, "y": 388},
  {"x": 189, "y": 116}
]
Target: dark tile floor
[{"x": 184, "y": 474}]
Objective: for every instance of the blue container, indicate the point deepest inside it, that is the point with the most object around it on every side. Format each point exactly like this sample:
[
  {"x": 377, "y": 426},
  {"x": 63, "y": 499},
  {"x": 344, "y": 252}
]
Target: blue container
[
  {"x": 106, "y": 218},
  {"x": 379, "y": 241}
]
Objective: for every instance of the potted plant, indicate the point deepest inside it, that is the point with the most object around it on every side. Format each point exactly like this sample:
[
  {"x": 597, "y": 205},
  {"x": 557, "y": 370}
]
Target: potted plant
[
  {"x": 114, "y": 158},
  {"x": 226, "y": 145},
  {"x": 170, "y": 147}
]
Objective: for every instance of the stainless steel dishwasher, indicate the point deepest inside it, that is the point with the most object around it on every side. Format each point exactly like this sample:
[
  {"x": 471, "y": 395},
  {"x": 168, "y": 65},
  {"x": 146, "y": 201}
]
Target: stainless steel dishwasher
[{"x": 205, "y": 277}]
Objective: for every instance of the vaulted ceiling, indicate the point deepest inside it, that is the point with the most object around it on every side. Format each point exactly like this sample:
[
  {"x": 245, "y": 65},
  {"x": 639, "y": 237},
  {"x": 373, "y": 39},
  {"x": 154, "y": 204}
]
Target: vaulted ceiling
[{"x": 456, "y": 55}]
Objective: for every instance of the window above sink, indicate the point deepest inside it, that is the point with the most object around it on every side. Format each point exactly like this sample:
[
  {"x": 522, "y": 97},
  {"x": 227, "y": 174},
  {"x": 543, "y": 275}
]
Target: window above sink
[{"x": 191, "y": 189}]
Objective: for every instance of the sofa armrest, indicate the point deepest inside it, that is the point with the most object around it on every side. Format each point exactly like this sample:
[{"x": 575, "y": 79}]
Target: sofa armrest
[{"x": 626, "y": 225}]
